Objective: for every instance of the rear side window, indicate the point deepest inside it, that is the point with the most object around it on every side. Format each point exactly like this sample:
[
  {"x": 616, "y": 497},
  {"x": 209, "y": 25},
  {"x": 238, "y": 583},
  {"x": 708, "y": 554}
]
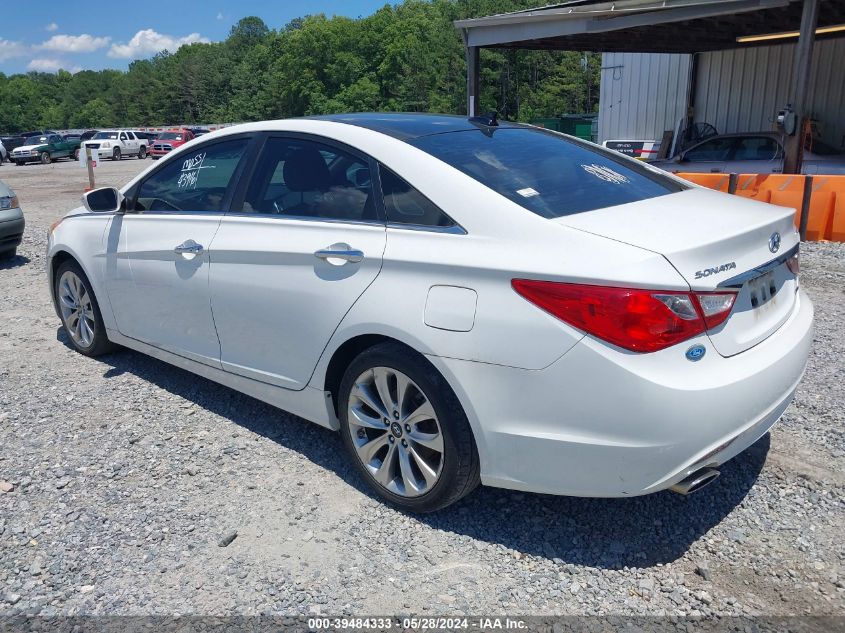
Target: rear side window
[
  {"x": 544, "y": 172},
  {"x": 196, "y": 181},
  {"x": 406, "y": 205}
]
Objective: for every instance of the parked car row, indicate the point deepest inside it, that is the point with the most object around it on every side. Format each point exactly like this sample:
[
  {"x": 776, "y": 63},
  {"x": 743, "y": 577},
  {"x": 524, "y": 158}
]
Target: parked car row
[{"x": 47, "y": 146}]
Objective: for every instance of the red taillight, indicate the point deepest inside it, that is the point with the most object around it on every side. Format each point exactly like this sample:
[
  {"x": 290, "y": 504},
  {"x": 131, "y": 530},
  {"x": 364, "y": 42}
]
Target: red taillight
[{"x": 635, "y": 319}]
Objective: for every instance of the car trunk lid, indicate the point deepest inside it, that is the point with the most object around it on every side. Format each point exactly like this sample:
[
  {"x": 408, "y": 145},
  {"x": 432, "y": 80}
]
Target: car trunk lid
[{"x": 715, "y": 242}]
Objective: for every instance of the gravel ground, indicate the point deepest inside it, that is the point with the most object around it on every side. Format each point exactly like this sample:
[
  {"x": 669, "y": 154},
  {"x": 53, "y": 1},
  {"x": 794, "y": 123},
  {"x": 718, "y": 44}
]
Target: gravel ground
[{"x": 141, "y": 489}]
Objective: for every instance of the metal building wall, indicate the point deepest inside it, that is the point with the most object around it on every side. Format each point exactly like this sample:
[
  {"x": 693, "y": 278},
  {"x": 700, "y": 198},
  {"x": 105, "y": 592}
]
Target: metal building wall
[
  {"x": 742, "y": 90},
  {"x": 641, "y": 95}
]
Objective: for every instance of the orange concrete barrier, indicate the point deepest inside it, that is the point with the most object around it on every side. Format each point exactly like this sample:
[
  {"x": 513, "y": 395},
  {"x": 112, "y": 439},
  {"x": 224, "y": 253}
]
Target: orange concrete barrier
[
  {"x": 719, "y": 182},
  {"x": 831, "y": 214},
  {"x": 820, "y": 218},
  {"x": 837, "y": 221}
]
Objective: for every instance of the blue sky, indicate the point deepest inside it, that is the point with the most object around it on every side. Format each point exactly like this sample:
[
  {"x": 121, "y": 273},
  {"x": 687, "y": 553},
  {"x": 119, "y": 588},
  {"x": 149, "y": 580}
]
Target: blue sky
[{"x": 46, "y": 35}]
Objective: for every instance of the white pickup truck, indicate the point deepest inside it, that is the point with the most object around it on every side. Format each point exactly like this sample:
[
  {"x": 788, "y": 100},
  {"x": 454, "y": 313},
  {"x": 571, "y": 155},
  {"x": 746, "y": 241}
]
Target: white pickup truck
[{"x": 116, "y": 144}]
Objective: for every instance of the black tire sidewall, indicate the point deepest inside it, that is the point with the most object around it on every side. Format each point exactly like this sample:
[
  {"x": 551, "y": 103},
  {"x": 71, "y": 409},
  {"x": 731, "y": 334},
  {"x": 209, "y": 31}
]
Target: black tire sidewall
[
  {"x": 116, "y": 154},
  {"x": 101, "y": 343},
  {"x": 459, "y": 474}
]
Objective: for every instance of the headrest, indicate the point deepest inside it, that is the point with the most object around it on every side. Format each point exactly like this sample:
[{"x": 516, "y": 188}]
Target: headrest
[{"x": 305, "y": 170}]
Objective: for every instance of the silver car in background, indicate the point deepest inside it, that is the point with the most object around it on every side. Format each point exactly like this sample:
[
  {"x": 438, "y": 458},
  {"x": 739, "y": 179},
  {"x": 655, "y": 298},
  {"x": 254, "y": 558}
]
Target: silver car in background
[{"x": 749, "y": 153}]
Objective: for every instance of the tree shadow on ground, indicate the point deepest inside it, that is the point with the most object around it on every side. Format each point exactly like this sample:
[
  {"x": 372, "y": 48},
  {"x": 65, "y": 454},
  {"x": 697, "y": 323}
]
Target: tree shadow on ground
[
  {"x": 14, "y": 262},
  {"x": 606, "y": 533}
]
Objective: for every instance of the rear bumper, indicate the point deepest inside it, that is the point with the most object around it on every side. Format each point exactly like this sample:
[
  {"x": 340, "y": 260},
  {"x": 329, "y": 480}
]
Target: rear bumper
[{"x": 601, "y": 422}]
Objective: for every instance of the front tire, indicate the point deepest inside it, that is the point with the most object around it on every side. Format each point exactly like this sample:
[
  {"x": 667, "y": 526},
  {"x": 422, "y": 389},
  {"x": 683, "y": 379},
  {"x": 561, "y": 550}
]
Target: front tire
[
  {"x": 80, "y": 311},
  {"x": 45, "y": 158},
  {"x": 405, "y": 430},
  {"x": 142, "y": 153},
  {"x": 9, "y": 253},
  {"x": 116, "y": 154}
]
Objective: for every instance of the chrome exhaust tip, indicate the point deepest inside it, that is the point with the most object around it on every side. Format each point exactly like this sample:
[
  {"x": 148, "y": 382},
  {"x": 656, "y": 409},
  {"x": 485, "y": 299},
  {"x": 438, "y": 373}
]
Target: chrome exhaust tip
[{"x": 695, "y": 481}]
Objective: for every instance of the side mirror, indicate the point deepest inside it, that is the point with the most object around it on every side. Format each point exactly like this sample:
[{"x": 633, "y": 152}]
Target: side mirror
[{"x": 103, "y": 200}]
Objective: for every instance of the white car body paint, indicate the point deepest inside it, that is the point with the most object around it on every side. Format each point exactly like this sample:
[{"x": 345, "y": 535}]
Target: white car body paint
[{"x": 552, "y": 409}]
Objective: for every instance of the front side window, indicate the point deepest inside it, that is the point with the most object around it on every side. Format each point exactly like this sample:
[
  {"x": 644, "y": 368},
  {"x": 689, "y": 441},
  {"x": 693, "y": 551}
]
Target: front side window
[
  {"x": 714, "y": 149},
  {"x": 196, "y": 181},
  {"x": 303, "y": 178},
  {"x": 544, "y": 172},
  {"x": 406, "y": 205}
]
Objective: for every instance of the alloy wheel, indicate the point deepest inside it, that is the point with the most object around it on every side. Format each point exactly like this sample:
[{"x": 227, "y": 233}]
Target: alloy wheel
[
  {"x": 77, "y": 309},
  {"x": 395, "y": 431}
]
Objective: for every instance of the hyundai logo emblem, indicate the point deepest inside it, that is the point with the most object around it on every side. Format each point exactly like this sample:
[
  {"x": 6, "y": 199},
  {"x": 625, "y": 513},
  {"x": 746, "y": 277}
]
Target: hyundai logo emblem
[
  {"x": 696, "y": 352},
  {"x": 774, "y": 242}
]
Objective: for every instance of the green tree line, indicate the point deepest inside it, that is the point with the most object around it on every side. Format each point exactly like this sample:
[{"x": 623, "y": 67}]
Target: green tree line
[{"x": 407, "y": 57}]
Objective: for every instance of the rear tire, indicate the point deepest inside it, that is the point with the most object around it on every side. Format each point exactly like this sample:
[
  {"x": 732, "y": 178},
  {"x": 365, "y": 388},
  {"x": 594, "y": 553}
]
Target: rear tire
[
  {"x": 80, "y": 312},
  {"x": 76, "y": 154},
  {"x": 9, "y": 253},
  {"x": 419, "y": 455}
]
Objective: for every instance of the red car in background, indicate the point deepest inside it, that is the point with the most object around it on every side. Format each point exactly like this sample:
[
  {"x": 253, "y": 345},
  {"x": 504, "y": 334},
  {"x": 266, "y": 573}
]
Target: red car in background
[{"x": 168, "y": 141}]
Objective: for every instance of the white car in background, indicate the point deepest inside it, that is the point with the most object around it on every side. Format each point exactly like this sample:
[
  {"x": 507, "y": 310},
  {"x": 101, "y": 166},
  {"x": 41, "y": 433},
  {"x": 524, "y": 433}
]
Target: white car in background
[
  {"x": 116, "y": 144},
  {"x": 463, "y": 300}
]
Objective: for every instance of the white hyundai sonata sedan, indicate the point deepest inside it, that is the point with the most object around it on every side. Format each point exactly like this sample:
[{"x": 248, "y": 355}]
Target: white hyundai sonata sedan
[{"x": 464, "y": 300}]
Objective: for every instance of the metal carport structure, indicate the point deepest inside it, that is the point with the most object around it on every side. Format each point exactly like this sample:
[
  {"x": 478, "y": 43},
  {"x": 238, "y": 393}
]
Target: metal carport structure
[{"x": 663, "y": 26}]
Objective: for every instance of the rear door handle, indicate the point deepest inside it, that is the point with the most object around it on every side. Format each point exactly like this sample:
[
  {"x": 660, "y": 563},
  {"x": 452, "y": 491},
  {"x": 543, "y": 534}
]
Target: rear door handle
[
  {"x": 342, "y": 252},
  {"x": 188, "y": 247}
]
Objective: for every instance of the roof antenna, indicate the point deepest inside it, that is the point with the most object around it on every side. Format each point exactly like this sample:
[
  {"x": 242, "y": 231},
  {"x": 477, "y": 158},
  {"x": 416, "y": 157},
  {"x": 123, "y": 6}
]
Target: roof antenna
[{"x": 491, "y": 119}]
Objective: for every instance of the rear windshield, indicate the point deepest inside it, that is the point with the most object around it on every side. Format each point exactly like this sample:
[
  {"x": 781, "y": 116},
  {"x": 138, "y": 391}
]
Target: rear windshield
[{"x": 545, "y": 172}]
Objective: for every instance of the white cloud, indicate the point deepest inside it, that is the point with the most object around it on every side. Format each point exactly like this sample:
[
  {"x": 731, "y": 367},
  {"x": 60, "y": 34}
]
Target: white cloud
[
  {"x": 75, "y": 43},
  {"x": 10, "y": 49},
  {"x": 51, "y": 27},
  {"x": 149, "y": 42},
  {"x": 46, "y": 65},
  {"x": 220, "y": 15}
]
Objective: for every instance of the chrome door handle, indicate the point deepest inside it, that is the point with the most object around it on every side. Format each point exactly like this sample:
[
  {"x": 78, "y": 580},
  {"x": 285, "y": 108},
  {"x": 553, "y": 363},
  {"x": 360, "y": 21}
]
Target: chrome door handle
[
  {"x": 335, "y": 251},
  {"x": 188, "y": 246}
]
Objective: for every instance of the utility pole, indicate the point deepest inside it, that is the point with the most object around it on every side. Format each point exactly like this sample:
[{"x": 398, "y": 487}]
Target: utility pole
[
  {"x": 473, "y": 79},
  {"x": 794, "y": 145}
]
